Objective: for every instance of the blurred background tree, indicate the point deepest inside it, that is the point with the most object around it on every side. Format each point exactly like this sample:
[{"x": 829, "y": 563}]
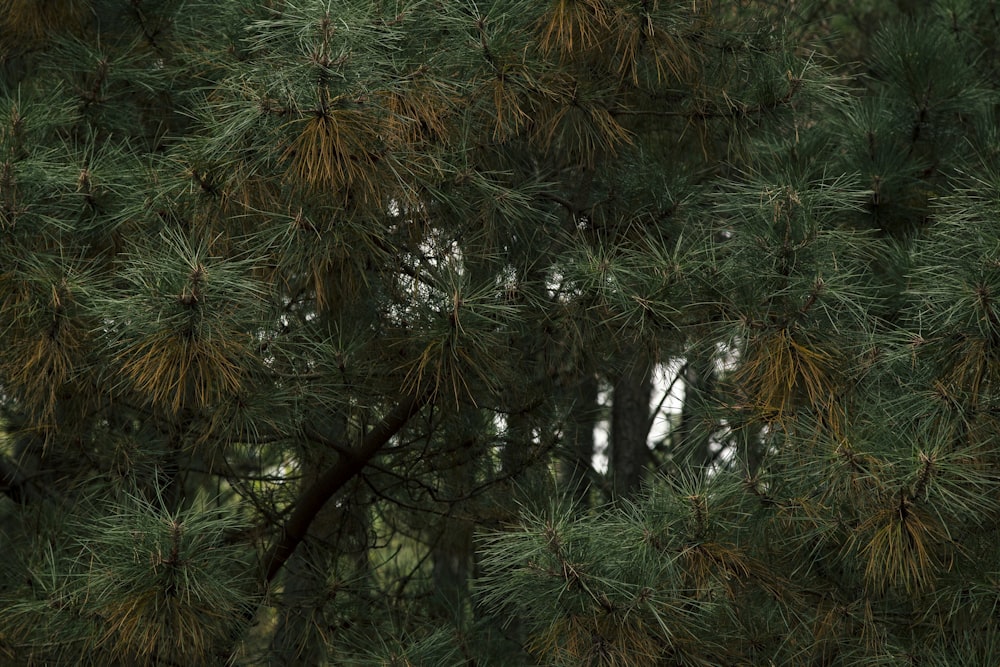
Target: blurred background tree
[{"x": 447, "y": 333}]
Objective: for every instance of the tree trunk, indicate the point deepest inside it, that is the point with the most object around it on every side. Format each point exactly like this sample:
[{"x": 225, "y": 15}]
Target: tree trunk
[
  {"x": 452, "y": 562},
  {"x": 576, "y": 465},
  {"x": 630, "y": 426}
]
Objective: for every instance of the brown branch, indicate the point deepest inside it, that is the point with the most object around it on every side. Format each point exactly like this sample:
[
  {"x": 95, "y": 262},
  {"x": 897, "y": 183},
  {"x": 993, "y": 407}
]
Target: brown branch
[{"x": 333, "y": 479}]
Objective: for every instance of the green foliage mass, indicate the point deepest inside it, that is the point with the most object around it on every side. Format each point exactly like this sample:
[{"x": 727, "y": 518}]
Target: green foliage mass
[{"x": 336, "y": 333}]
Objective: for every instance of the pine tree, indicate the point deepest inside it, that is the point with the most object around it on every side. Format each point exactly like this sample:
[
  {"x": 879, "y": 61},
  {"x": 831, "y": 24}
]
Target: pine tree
[
  {"x": 311, "y": 309},
  {"x": 853, "y": 521}
]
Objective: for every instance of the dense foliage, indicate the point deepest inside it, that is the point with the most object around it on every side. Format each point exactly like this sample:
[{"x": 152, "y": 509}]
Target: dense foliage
[{"x": 576, "y": 332}]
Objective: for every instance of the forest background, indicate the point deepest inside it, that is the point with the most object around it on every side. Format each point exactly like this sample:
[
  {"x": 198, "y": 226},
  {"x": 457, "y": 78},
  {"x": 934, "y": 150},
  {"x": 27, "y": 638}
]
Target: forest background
[{"x": 497, "y": 332}]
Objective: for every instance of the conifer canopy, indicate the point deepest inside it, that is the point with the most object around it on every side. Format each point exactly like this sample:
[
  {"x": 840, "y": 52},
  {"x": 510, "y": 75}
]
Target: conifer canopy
[{"x": 613, "y": 333}]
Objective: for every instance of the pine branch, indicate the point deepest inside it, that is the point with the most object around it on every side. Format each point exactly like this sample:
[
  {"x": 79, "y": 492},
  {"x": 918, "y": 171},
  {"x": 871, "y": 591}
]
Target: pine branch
[{"x": 334, "y": 478}]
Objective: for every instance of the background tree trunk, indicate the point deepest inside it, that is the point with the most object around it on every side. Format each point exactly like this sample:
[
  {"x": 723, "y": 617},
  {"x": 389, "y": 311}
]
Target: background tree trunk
[
  {"x": 629, "y": 449},
  {"x": 576, "y": 467}
]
